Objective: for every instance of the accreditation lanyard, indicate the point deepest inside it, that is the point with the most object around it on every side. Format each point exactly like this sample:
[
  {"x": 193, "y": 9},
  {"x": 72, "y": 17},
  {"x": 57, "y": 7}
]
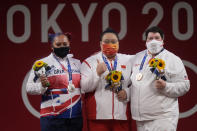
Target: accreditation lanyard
[
  {"x": 107, "y": 64},
  {"x": 69, "y": 68}
]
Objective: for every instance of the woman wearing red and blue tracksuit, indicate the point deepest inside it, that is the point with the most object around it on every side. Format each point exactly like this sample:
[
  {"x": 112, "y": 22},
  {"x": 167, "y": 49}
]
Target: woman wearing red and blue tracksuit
[{"x": 60, "y": 108}]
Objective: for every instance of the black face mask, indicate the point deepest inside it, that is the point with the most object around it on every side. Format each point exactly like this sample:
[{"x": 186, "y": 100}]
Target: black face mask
[{"x": 61, "y": 52}]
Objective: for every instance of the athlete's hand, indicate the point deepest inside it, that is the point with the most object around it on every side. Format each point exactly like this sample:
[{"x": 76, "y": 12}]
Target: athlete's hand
[
  {"x": 122, "y": 95},
  {"x": 160, "y": 84},
  {"x": 44, "y": 80},
  {"x": 101, "y": 68}
]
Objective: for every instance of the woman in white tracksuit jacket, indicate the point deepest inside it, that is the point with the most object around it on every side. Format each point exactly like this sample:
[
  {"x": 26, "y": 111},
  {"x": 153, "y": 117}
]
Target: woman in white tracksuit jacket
[
  {"x": 154, "y": 103},
  {"x": 104, "y": 108}
]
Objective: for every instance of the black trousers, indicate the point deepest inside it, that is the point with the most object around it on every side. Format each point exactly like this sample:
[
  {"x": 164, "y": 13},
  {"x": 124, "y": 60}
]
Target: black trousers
[{"x": 61, "y": 124}]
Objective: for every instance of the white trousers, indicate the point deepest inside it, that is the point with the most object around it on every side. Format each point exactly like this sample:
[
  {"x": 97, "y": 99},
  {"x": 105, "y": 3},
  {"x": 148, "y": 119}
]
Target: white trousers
[{"x": 167, "y": 124}]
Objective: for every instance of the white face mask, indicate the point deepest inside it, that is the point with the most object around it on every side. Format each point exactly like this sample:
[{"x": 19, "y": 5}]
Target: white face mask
[{"x": 154, "y": 46}]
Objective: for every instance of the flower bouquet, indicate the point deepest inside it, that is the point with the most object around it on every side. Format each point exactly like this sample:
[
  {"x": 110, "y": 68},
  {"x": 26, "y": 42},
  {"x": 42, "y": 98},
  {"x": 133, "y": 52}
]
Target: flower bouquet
[
  {"x": 157, "y": 68},
  {"x": 41, "y": 68},
  {"x": 113, "y": 80}
]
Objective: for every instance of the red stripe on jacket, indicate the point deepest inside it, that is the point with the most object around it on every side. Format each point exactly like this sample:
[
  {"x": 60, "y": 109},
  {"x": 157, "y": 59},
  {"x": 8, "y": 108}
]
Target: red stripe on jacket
[
  {"x": 58, "y": 109},
  {"x": 87, "y": 64}
]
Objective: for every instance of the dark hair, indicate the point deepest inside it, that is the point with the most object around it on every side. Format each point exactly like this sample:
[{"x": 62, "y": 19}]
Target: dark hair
[
  {"x": 52, "y": 36},
  {"x": 108, "y": 30},
  {"x": 154, "y": 29}
]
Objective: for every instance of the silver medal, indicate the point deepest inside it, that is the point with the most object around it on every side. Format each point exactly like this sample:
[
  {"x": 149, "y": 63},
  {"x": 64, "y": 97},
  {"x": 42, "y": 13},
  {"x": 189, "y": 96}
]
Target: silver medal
[
  {"x": 139, "y": 76},
  {"x": 71, "y": 87}
]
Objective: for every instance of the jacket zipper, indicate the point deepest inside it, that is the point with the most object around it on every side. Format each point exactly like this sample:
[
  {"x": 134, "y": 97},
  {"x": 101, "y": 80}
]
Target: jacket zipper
[
  {"x": 112, "y": 96},
  {"x": 53, "y": 103},
  {"x": 112, "y": 105},
  {"x": 139, "y": 104},
  {"x": 71, "y": 107}
]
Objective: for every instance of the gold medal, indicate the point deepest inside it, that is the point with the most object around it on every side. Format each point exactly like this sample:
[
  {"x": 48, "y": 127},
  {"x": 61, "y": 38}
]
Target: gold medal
[{"x": 139, "y": 76}]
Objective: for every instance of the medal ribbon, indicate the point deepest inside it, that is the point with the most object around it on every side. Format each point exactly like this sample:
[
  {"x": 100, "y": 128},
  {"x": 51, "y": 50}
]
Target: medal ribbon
[
  {"x": 107, "y": 64},
  {"x": 69, "y": 68},
  {"x": 69, "y": 71},
  {"x": 143, "y": 61}
]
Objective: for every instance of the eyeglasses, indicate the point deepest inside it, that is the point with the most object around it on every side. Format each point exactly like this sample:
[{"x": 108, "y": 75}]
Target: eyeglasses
[{"x": 107, "y": 41}]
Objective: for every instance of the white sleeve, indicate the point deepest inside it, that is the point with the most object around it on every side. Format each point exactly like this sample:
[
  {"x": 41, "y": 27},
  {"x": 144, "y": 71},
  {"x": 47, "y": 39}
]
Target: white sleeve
[
  {"x": 89, "y": 78},
  {"x": 34, "y": 88},
  {"x": 128, "y": 89},
  {"x": 177, "y": 80}
]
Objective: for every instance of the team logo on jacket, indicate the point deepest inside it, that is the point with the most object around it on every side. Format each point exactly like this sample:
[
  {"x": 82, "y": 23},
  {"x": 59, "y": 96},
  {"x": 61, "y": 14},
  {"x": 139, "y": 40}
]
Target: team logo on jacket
[
  {"x": 57, "y": 71},
  {"x": 137, "y": 65},
  {"x": 123, "y": 66}
]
